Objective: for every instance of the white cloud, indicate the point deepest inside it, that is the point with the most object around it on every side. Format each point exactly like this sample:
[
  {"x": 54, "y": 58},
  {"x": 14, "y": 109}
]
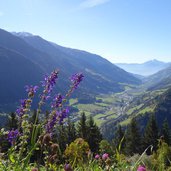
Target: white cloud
[
  {"x": 1, "y": 13},
  {"x": 92, "y": 3}
]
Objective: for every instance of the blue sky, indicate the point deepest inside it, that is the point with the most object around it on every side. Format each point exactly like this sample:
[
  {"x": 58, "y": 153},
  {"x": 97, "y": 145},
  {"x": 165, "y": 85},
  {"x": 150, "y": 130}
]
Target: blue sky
[{"x": 119, "y": 30}]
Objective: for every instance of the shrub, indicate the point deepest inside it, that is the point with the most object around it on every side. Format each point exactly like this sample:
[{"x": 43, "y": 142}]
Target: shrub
[{"x": 77, "y": 151}]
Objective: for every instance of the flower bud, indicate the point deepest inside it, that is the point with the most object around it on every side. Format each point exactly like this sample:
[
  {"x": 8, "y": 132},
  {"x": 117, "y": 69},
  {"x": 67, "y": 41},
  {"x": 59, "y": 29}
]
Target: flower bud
[
  {"x": 47, "y": 139},
  {"x": 54, "y": 148},
  {"x": 34, "y": 169},
  {"x": 68, "y": 167}
]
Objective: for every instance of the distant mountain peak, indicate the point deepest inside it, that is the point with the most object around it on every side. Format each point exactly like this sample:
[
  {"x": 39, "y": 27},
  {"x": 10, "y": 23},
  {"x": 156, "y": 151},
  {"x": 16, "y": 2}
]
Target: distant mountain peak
[
  {"x": 22, "y": 34},
  {"x": 154, "y": 61},
  {"x": 147, "y": 68}
]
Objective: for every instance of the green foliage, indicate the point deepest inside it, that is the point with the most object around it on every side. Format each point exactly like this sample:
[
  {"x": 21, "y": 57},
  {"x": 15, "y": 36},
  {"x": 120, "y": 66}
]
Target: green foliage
[
  {"x": 119, "y": 140},
  {"x": 151, "y": 134},
  {"x": 77, "y": 152},
  {"x": 133, "y": 138},
  {"x": 94, "y": 136},
  {"x": 162, "y": 157},
  {"x": 82, "y": 127},
  {"x": 165, "y": 132},
  {"x": 105, "y": 147},
  {"x": 71, "y": 131}
]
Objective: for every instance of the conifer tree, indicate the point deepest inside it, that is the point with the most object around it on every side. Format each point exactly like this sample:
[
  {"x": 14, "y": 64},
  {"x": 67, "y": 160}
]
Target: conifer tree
[
  {"x": 119, "y": 138},
  {"x": 151, "y": 134},
  {"x": 94, "y": 136},
  {"x": 61, "y": 137},
  {"x": 82, "y": 127},
  {"x": 165, "y": 132},
  {"x": 133, "y": 138},
  {"x": 71, "y": 131},
  {"x": 12, "y": 121}
]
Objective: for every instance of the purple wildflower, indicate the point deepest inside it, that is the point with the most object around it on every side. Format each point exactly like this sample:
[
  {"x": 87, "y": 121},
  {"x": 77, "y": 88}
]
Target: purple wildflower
[
  {"x": 20, "y": 111},
  {"x": 50, "y": 81},
  {"x": 44, "y": 97},
  {"x": 57, "y": 101},
  {"x": 51, "y": 123},
  {"x": 12, "y": 136},
  {"x": 23, "y": 103},
  {"x": 97, "y": 156},
  {"x": 31, "y": 90},
  {"x": 63, "y": 114},
  {"x": 57, "y": 116},
  {"x": 141, "y": 168},
  {"x": 76, "y": 79},
  {"x": 105, "y": 156}
]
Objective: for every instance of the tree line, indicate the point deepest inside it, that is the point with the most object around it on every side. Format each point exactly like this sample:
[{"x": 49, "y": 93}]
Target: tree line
[{"x": 131, "y": 140}]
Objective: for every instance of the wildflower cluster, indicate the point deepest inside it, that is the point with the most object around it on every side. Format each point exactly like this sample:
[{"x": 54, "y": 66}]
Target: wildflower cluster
[
  {"x": 104, "y": 157},
  {"x": 27, "y": 138}
]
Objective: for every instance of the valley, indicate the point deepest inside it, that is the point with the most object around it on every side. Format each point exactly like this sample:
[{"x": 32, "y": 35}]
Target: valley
[
  {"x": 108, "y": 93},
  {"x": 119, "y": 108}
]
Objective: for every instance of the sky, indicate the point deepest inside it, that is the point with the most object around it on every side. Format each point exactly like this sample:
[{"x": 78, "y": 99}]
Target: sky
[{"x": 122, "y": 31}]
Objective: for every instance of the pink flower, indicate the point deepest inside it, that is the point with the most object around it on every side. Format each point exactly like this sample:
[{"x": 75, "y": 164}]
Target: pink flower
[
  {"x": 141, "y": 168},
  {"x": 105, "y": 156},
  {"x": 97, "y": 156}
]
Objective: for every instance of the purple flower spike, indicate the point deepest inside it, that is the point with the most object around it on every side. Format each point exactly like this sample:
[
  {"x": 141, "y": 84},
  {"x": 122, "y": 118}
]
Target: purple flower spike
[
  {"x": 20, "y": 110},
  {"x": 76, "y": 79},
  {"x": 23, "y": 103},
  {"x": 58, "y": 116},
  {"x": 57, "y": 101},
  {"x": 50, "y": 81},
  {"x": 51, "y": 123},
  {"x": 63, "y": 114},
  {"x": 12, "y": 136},
  {"x": 31, "y": 90}
]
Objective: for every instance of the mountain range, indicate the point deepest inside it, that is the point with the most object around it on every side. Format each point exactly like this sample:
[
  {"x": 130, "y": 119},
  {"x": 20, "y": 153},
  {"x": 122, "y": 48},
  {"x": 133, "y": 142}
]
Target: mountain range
[
  {"x": 144, "y": 69},
  {"x": 25, "y": 58}
]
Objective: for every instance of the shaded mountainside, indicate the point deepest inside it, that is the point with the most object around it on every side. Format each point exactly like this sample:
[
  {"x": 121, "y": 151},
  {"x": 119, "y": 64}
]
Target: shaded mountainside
[
  {"x": 29, "y": 57},
  {"x": 163, "y": 108},
  {"x": 90, "y": 63},
  {"x": 159, "y": 105},
  {"x": 160, "y": 80},
  {"x": 16, "y": 71},
  {"x": 145, "y": 69}
]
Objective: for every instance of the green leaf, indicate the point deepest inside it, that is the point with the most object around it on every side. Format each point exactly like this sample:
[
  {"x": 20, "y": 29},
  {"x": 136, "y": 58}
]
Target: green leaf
[{"x": 12, "y": 159}]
